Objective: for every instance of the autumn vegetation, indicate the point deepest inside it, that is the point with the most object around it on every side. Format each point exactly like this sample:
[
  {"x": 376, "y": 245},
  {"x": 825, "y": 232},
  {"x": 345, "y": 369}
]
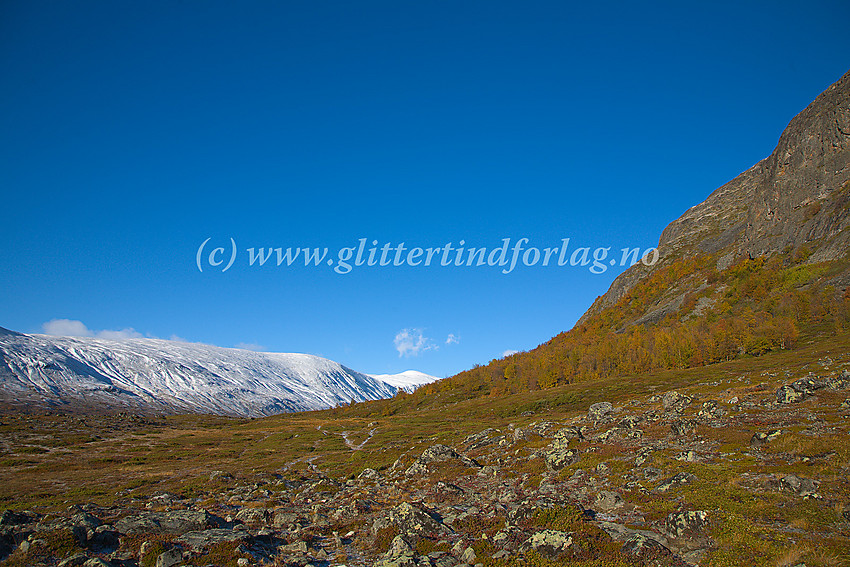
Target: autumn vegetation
[{"x": 701, "y": 316}]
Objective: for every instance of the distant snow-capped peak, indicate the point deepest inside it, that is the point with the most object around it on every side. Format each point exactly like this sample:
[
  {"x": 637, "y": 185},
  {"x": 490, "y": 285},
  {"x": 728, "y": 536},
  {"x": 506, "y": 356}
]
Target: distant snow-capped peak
[{"x": 408, "y": 380}]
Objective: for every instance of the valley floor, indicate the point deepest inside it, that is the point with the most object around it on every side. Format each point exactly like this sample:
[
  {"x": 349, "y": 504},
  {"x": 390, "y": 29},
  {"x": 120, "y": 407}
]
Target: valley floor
[{"x": 741, "y": 463}]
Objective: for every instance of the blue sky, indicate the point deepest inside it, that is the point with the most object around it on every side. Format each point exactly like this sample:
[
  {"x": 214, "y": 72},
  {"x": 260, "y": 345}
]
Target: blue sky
[{"x": 133, "y": 132}]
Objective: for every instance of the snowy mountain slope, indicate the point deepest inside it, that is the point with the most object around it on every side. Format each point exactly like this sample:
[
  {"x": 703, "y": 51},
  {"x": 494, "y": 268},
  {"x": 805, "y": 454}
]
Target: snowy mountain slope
[
  {"x": 408, "y": 380},
  {"x": 169, "y": 376}
]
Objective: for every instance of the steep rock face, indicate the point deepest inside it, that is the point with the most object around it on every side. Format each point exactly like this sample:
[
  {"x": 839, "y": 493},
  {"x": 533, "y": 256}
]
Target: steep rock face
[{"x": 798, "y": 196}]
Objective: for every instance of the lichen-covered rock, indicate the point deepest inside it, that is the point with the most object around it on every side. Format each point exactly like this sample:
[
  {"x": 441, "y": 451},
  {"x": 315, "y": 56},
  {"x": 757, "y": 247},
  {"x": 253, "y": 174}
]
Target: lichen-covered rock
[
  {"x": 759, "y": 439},
  {"x": 399, "y": 546},
  {"x": 437, "y": 454},
  {"x": 682, "y": 427},
  {"x": 369, "y": 474},
  {"x": 170, "y": 558},
  {"x": 677, "y": 480},
  {"x": 410, "y": 520},
  {"x": 599, "y": 411},
  {"x": 689, "y": 456},
  {"x": 400, "y": 554},
  {"x": 673, "y": 400},
  {"x": 205, "y": 538},
  {"x": 839, "y": 382},
  {"x": 468, "y": 556},
  {"x": 651, "y": 551},
  {"x": 563, "y": 437},
  {"x": 788, "y": 395},
  {"x": 76, "y": 560},
  {"x": 557, "y": 459},
  {"x": 480, "y": 439},
  {"x": 549, "y": 543},
  {"x": 255, "y": 516},
  {"x": 607, "y": 500},
  {"x": 800, "y": 486},
  {"x": 686, "y": 523},
  {"x": 629, "y": 422},
  {"x": 177, "y": 522}
]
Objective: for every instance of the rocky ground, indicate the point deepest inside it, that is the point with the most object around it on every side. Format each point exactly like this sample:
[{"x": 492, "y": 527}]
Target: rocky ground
[{"x": 746, "y": 470}]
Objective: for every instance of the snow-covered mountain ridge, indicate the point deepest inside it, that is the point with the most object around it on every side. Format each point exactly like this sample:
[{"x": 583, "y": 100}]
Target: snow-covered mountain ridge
[
  {"x": 408, "y": 380},
  {"x": 168, "y": 376}
]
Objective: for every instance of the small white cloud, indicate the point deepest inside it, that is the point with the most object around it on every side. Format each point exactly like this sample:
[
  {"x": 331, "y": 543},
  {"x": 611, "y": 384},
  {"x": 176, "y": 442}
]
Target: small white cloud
[
  {"x": 250, "y": 346},
  {"x": 452, "y": 339},
  {"x": 122, "y": 335},
  {"x": 74, "y": 328},
  {"x": 66, "y": 328},
  {"x": 509, "y": 352},
  {"x": 412, "y": 342}
]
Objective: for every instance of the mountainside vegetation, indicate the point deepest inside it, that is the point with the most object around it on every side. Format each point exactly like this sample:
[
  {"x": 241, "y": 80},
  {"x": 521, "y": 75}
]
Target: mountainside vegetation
[{"x": 753, "y": 307}]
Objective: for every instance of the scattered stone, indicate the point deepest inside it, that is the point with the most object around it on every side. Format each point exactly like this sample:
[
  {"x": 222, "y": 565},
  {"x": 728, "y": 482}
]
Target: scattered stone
[
  {"x": 629, "y": 422},
  {"x": 410, "y": 520},
  {"x": 76, "y": 560},
  {"x": 674, "y": 400},
  {"x": 688, "y": 456},
  {"x": 643, "y": 457},
  {"x": 468, "y": 556},
  {"x": 599, "y": 410},
  {"x": 650, "y": 550},
  {"x": 170, "y": 558},
  {"x": 557, "y": 459},
  {"x": 678, "y": 480},
  {"x": 800, "y": 486},
  {"x": 204, "y": 539},
  {"x": 681, "y": 524},
  {"x": 682, "y": 427},
  {"x": 254, "y": 516},
  {"x": 12, "y": 518},
  {"x": 651, "y": 473},
  {"x": 760, "y": 439},
  {"x": 549, "y": 543},
  {"x": 369, "y": 474},
  {"x": 399, "y": 546},
  {"x": 564, "y": 436},
  {"x": 479, "y": 440},
  {"x": 173, "y": 523},
  {"x": 437, "y": 454},
  {"x": 710, "y": 410},
  {"x": 607, "y": 500}
]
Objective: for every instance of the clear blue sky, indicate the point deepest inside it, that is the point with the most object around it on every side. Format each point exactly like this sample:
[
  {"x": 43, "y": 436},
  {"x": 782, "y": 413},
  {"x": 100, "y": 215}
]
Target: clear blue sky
[{"x": 130, "y": 132}]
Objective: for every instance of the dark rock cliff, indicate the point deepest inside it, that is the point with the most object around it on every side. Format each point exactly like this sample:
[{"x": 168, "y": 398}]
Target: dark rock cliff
[{"x": 798, "y": 196}]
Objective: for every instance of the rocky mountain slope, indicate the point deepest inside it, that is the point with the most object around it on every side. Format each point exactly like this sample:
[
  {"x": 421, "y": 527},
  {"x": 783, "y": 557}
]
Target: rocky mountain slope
[
  {"x": 152, "y": 375},
  {"x": 798, "y": 196}
]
